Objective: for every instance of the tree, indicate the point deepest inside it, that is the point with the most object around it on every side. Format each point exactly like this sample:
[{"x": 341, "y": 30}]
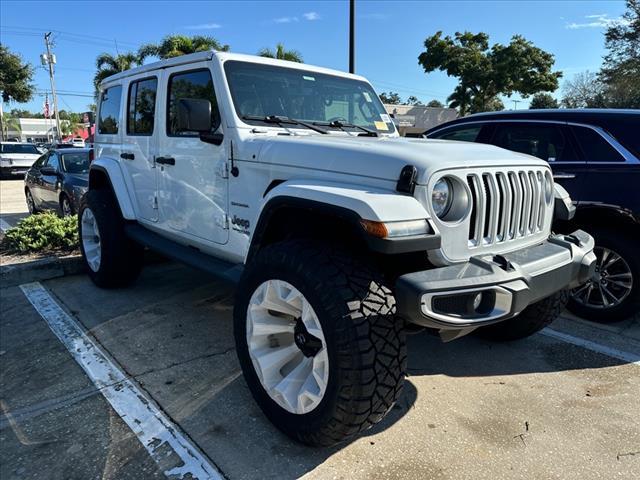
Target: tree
[
  {"x": 620, "y": 74},
  {"x": 542, "y": 101},
  {"x": 435, "y": 104},
  {"x": 15, "y": 81},
  {"x": 10, "y": 123},
  {"x": 486, "y": 72},
  {"x": 584, "y": 91},
  {"x": 391, "y": 98},
  {"x": 281, "y": 54},
  {"x": 107, "y": 65},
  {"x": 176, "y": 45},
  {"x": 413, "y": 100}
]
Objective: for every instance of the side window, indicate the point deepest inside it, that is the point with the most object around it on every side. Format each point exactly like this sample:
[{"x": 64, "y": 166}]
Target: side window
[
  {"x": 463, "y": 134},
  {"x": 193, "y": 84},
  {"x": 594, "y": 147},
  {"x": 53, "y": 161},
  {"x": 141, "y": 107},
  {"x": 40, "y": 162},
  {"x": 110, "y": 110},
  {"x": 543, "y": 141}
]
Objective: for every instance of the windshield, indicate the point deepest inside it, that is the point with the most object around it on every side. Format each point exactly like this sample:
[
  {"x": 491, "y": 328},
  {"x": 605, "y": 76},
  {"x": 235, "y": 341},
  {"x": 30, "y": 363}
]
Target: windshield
[
  {"x": 75, "y": 162},
  {"x": 266, "y": 90},
  {"x": 19, "y": 148}
]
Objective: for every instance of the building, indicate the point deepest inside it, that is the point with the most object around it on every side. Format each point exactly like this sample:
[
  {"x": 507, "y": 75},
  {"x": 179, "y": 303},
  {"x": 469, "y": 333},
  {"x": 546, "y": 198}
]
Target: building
[
  {"x": 42, "y": 130},
  {"x": 415, "y": 119}
]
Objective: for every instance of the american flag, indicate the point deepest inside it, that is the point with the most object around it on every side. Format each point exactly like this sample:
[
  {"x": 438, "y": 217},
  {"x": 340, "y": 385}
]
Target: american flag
[{"x": 46, "y": 107}]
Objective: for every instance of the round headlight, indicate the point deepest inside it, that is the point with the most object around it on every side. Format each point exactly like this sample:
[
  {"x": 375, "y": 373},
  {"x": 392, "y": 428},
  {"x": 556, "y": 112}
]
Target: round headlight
[{"x": 441, "y": 197}]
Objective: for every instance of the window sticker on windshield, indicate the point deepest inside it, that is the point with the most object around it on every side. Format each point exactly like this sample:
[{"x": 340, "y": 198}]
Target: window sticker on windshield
[
  {"x": 385, "y": 118},
  {"x": 311, "y": 79},
  {"x": 381, "y": 125},
  {"x": 366, "y": 96}
]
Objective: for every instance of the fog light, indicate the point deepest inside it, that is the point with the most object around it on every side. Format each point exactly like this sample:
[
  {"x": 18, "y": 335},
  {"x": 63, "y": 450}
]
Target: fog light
[{"x": 477, "y": 300}]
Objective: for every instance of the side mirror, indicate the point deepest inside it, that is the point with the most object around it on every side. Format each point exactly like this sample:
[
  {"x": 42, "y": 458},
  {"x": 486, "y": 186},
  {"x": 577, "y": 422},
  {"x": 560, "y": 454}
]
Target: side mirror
[
  {"x": 47, "y": 170},
  {"x": 194, "y": 115}
]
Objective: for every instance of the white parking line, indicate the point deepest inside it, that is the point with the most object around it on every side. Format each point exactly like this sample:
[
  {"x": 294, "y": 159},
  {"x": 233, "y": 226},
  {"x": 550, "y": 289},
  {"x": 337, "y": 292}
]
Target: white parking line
[
  {"x": 4, "y": 226},
  {"x": 596, "y": 347},
  {"x": 157, "y": 433}
]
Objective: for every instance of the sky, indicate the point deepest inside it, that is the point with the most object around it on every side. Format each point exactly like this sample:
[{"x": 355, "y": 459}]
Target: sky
[{"x": 389, "y": 35}]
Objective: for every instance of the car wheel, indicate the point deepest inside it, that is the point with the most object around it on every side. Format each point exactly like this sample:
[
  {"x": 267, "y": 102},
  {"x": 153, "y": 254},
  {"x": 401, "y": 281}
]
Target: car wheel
[
  {"x": 531, "y": 320},
  {"x": 66, "y": 209},
  {"x": 318, "y": 341},
  {"x": 31, "y": 204},
  {"x": 613, "y": 292},
  {"x": 111, "y": 258}
]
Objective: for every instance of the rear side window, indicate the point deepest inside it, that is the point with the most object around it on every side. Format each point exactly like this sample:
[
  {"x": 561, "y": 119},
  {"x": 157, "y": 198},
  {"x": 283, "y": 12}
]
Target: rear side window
[
  {"x": 463, "y": 134},
  {"x": 626, "y": 131},
  {"x": 53, "y": 161},
  {"x": 595, "y": 147},
  {"x": 110, "y": 110},
  {"x": 543, "y": 141},
  {"x": 142, "y": 106},
  {"x": 193, "y": 84}
]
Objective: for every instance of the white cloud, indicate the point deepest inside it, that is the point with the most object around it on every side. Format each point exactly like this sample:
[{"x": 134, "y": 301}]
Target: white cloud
[
  {"x": 600, "y": 20},
  {"x": 286, "y": 19},
  {"x": 311, "y": 16},
  {"x": 204, "y": 26}
]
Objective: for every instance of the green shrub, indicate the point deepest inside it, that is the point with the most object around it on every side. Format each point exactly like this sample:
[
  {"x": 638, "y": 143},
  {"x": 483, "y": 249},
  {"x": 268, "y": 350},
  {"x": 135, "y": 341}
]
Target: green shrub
[{"x": 41, "y": 233}]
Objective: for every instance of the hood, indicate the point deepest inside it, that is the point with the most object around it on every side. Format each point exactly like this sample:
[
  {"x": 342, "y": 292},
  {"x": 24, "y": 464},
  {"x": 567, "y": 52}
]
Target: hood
[{"x": 384, "y": 157}]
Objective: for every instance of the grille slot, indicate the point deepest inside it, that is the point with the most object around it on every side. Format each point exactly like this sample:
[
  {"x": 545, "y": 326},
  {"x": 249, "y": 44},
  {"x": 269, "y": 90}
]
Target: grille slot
[{"x": 505, "y": 206}]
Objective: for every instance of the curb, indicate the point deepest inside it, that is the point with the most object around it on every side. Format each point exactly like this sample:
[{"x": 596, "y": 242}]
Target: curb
[{"x": 41, "y": 269}]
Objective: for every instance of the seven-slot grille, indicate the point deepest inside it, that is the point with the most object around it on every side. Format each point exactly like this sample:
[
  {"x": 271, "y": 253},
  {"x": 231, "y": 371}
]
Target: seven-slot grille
[{"x": 506, "y": 206}]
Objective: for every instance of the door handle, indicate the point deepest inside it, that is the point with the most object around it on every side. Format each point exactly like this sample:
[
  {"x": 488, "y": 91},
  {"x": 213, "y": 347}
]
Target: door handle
[
  {"x": 128, "y": 156},
  {"x": 563, "y": 176},
  {"x": 166, "y": 160}
]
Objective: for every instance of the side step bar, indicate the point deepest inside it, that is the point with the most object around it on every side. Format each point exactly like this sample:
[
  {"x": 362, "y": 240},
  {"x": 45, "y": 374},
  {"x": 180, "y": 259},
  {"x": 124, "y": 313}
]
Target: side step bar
[{"x": 189, "y": 256}]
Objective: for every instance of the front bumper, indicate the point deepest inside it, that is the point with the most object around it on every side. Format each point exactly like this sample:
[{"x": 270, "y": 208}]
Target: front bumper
[{"x": 492, "y": 288}]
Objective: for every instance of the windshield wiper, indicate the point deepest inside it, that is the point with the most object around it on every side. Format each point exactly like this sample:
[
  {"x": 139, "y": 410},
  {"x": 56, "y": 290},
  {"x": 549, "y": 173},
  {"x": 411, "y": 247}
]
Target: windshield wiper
[
  {"x": 341, "y": 125},
  {"x": 279, "y": 120}
]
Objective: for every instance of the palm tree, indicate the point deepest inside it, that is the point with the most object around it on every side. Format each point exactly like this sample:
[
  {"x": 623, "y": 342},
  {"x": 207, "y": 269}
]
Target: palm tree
[
  {"x": 108, "y": 65},
  {"x": 176, "y": 45},
  {"x": 461, "y": 99},
  {"x": 281, "y": 54},
  {"x": 10, "y": 123}
]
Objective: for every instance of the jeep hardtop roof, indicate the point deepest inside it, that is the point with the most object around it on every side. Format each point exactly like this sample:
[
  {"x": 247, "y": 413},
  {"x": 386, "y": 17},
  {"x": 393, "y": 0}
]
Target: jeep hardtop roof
[{"x": 223, "y": 57}]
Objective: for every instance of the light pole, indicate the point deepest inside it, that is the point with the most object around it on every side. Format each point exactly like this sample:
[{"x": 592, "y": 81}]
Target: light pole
[
  {"x": 352, "y": 36},
  {"x": 50, "y": 60}
]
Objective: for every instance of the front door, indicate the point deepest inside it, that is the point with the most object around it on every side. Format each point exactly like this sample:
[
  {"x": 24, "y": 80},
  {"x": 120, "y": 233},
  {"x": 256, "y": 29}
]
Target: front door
[
  {"x": 50, "y": 184},
  {"x": 192, "y": 178},
  {"x": 140, "y": 143}
]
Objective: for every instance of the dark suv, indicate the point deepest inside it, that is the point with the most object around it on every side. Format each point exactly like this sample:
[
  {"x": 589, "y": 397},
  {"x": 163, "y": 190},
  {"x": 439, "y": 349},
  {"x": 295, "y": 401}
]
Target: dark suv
[{"x": 595, "y": 155}]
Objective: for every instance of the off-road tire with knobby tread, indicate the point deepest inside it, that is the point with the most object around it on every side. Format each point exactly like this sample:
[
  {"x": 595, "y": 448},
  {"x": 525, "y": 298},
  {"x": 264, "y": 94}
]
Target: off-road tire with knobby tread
[
  {"x": 121, "y": 258},
  {"x": 531, "y": 320},
  {"x": 365, "y": 340}
]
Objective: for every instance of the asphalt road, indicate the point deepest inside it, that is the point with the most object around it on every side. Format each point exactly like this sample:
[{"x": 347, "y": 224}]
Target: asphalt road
[
  {"x": 13, "y": 206},
  {"x": 536, "y": 409}
]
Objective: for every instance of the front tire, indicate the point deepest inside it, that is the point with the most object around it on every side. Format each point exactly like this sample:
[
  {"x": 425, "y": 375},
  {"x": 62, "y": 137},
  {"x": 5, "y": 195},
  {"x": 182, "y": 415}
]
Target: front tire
[
  {"x": 111, "y": 258},
  {"x": 531, "y": 320},
  {"x": 66, "y": 208},
  {"x": 303, "y": 303},
  {"x": 31, "y": 204}
]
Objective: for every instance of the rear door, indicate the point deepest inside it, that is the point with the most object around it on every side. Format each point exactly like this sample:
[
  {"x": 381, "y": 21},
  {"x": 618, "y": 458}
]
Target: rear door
[
  {"x": 551, "y": 142},
  {"x": 140, "y": 143},
  {"x": 192, "y": 174}
]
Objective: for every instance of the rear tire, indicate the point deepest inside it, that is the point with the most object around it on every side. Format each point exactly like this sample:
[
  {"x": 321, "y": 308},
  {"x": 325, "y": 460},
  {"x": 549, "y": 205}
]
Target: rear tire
[
  {"x": 531, "y": 320},
  {"x": 363, "y": 341},
  {"x": 111, "y": 258}
]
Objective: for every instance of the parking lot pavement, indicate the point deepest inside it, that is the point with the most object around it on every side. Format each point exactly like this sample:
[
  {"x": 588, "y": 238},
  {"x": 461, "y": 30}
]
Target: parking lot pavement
[
  {"x": 13, "y": 206},
  {"x": 539, "y": 408}
]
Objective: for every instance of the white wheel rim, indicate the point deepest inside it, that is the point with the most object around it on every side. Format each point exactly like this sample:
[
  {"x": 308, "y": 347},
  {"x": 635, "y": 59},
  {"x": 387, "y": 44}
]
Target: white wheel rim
[
  {"x": 91, "y": 240},
  {"x": 281, "y": 328}
]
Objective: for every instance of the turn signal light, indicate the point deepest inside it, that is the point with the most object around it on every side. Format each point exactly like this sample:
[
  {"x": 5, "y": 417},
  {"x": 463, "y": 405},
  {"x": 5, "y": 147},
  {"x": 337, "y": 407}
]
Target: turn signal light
[{"x": 375, "y": 229}]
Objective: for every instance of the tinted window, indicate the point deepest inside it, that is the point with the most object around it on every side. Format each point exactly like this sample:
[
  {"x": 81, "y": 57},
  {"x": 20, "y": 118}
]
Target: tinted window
[
  {"x": 53, "y": 161},
  {"x": 594, "y": 147},
  {"x": 75, "y": 162},
  {"x": 110, "y": 110},
  {"x": 142, "y": 106},
  {"x": 463, "y": 134},
  {"x": 38, "y": 163},
  {"x": 194, "y": 84},
  {"x": 18, "y": 148},
  {"x": 543, "y": 141},
  {"x": 626, "y": 131}
]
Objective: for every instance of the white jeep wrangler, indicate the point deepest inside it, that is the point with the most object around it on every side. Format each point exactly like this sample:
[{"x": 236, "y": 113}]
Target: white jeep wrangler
[{"x": 293, "y": 180}]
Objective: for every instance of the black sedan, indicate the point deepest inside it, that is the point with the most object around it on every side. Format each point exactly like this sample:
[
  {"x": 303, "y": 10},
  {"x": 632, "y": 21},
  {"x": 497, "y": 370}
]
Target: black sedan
[
  {"x": 57, "y": 181},
  {"x": 595, "y": 155}
]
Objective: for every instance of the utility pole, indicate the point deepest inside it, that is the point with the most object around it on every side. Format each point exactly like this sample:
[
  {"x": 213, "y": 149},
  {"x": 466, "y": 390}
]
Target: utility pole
[
  {"x": 50, "y": 60},
  {"x": 515, "y": 104},
  {"x": 352, "y": 36}
]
